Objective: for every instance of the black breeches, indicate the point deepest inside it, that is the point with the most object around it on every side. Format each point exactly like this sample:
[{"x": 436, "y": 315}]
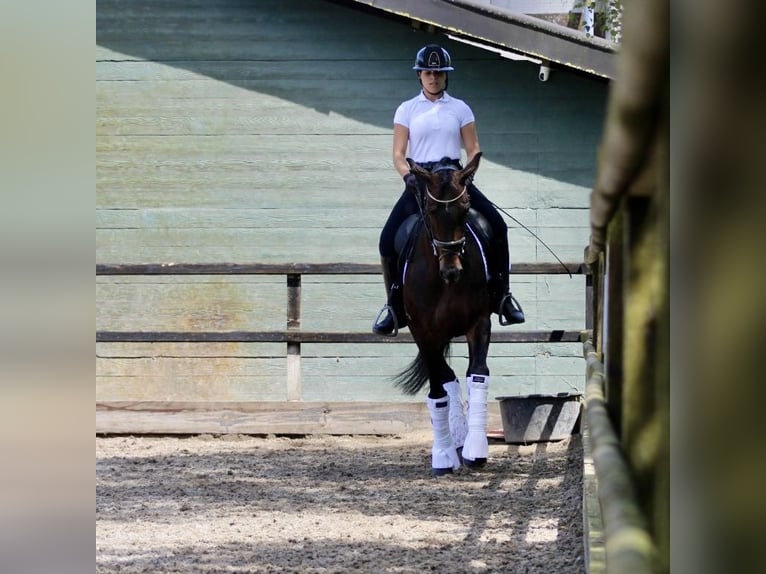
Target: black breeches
[
  {"x": 404, "y": 207},
  {"x": 499, "y": 259}
]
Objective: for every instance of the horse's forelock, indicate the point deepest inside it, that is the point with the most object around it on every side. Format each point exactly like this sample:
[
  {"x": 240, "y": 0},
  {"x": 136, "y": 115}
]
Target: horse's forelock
[{"x": 446, "y": 181}]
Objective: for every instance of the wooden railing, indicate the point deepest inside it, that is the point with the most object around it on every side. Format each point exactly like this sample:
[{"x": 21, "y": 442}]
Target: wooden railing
[
  {"x": 293, "y": 333},
  {"x": 293, "y": 415}
]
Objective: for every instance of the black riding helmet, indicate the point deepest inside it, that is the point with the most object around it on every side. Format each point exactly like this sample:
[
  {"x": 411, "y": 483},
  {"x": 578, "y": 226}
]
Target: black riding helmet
[{"x": 435, "y": 58}]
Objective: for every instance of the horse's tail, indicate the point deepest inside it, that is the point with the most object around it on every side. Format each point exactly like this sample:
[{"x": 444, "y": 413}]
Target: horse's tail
[{"x": 415, "y": 376}]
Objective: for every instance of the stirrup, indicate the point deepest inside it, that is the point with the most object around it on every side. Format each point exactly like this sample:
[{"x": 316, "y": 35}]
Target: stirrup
[
  {"x": 517, "y": 313},
  {"x": 390, "y": 311}
]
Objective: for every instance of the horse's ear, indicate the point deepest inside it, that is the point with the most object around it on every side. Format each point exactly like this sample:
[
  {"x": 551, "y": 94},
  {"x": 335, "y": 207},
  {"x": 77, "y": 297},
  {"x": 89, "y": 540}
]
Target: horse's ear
[
  {"x": 416, "y": 169},
  {"x": 470, "y": 169}
]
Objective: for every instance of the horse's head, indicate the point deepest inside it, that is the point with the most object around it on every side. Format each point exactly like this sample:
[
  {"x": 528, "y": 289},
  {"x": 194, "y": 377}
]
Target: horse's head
[{"x": 446, "y": 206}]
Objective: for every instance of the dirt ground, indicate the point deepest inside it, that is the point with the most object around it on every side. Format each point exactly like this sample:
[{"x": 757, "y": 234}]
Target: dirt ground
[{"x": 333, "y": 504}]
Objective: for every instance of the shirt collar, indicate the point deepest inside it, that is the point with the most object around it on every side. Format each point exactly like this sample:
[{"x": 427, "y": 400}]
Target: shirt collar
[{"x": 445, "y": 97}]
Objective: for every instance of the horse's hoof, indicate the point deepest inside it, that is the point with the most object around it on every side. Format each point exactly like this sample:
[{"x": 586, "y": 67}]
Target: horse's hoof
[
  {"x": 475, "y": 463},
  {"x": 460, "y": 454},
  {"x": 441, "y": 471}
]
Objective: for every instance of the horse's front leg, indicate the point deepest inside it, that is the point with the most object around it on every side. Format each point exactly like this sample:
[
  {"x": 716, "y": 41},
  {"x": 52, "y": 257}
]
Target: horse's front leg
[
  {"x": 444, "y": 409},
  {"x": 476, "y": 446}
]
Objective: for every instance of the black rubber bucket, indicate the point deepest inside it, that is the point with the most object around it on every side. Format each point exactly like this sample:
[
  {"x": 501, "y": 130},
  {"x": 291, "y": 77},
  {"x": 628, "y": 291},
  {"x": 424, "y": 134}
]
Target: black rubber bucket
[{"x": 539, "y": 418}]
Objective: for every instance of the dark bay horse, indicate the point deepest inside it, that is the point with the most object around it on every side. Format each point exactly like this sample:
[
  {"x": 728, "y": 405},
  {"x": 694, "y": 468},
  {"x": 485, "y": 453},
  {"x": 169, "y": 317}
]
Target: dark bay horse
[{"x": 446, "y": 295}]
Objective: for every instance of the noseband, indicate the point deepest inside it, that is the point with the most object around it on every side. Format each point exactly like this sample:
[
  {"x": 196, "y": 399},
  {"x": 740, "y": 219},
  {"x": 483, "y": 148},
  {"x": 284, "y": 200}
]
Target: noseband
[{"x": 456, "y": 247}]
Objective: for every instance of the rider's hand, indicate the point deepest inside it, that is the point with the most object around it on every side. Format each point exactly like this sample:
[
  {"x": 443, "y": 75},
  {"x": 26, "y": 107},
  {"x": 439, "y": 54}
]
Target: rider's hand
[{"x": 410, "y": 182}]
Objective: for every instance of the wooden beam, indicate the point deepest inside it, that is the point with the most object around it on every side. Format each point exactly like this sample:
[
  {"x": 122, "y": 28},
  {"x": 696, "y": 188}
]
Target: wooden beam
[
  {"x": 628, "y": 544},
  {"x": 576, "y": 268},
  {"x": 498, "y": 26},
  {"x": 294, "y": 347},
  {"x": 555, "y": 336},
  {"x": 593, "y": 525},
  {"x": 167, "y": 417}
]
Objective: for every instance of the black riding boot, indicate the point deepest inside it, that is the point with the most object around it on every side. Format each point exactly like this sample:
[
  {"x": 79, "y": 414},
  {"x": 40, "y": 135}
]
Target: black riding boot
[
  {"x": 508, "y": 309},
  {"x": 391, "y": 317}
]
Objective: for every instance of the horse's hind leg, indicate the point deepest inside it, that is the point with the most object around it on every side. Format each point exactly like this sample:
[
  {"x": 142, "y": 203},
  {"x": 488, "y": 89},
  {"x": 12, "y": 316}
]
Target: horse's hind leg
[
  {"x": 458, "y": 423},
  {"x": 476, "y": 446}
]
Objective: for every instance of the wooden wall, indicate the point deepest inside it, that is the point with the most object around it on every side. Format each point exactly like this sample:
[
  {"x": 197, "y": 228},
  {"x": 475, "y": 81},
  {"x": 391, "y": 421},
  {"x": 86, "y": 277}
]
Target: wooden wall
[{"x": 233, "y": 131}]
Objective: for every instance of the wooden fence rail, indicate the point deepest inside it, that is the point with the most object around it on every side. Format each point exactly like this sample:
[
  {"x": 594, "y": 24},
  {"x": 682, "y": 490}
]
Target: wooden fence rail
[
  {"x": 553, "y": 336},
  {"x": 293, "y": 334},
  {"x": 299, "y": 269}
]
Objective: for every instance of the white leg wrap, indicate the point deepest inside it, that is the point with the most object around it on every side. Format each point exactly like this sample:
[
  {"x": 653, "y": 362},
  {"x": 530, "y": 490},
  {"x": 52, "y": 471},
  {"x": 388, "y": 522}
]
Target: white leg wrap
[
  {"x": 443, "y": 455},
  {"x": 458, "y": 424},
  {"x": 476, "y": 445}
]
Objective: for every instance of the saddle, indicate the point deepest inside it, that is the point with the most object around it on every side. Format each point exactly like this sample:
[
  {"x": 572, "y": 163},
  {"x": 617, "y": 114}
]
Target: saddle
[{"x": 411, "y": 227}]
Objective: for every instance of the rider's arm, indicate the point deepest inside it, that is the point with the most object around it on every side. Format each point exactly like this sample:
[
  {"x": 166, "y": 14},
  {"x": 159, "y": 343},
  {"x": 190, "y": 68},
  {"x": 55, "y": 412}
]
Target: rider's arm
[
  {"x": 470, "y": 140},
  {"x": 401, "y": 139}
]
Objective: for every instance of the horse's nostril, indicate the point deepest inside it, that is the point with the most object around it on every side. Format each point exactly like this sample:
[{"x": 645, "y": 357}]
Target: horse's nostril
[{"x": 450, "y": 275}]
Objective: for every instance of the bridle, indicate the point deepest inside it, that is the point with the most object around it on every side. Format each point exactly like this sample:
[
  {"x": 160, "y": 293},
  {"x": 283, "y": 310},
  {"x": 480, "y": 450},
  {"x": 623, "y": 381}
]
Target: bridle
[{"x": 443, "y": 248}]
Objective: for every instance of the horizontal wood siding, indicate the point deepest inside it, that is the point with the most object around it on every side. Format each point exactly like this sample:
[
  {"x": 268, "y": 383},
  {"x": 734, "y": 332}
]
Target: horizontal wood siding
[
  {"x": 260, "y": 132},
  {"x": 185, "y": 417}
]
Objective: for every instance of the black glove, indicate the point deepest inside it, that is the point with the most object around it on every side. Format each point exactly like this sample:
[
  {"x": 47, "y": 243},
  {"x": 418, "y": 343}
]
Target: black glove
[{"x": 410, "y": 182}]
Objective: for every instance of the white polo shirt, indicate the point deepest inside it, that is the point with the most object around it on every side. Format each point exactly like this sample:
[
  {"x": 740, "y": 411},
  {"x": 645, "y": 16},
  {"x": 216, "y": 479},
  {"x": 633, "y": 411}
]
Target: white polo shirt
[{"x": 434, "y": 126}]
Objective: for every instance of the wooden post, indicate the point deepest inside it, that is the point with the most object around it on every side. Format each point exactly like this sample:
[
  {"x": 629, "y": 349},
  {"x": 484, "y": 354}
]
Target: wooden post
[
  {"x": 598, "y": 305},
  {"x": 590, "y": 272},
  {"x": 617, "y": 258},
  {"x": 293, "y": 348}
]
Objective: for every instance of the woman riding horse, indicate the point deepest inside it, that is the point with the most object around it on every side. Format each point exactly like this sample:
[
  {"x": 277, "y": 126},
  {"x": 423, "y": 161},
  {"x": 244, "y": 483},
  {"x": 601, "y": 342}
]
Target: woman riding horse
[
  {"x": 433, "y": 125},
  {"x": 446, "y": 295}
]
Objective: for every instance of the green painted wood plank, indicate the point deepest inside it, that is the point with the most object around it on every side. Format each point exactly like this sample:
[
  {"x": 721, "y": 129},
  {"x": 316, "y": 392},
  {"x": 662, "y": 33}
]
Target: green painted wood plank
[
  {"x": 226, "y": 181},
  {"x": 202, "y": 43},
  {"x": 301, "y": 151},
  {"x": 351, "y": 388},
  {"x": 111, "y": 69},
  {"x": 163, "y": 186},
  {"x": 231, "y": 303},
  {"x": 233, "y": 378},
  {"x": 298, "y": 152},
  {"x": 301, "y": 217},
  {"x": 363, "y": 387},
  {"x": 261, "y": 417},
  {"x": 177, "y": 379},
  {"x": 300, "y": 89},
  {"x": 201, "y": 305},
  {"x": 264, "y": 245},
  {"x": 239, "y": 218},
  {"x": 276, "y": 245},
  {"x": 191, "y": 350},
  {"x": 497, "y": 351}
]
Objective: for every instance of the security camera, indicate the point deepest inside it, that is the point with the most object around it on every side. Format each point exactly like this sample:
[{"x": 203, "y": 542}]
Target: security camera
[{"x": 545, "y": 73}]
